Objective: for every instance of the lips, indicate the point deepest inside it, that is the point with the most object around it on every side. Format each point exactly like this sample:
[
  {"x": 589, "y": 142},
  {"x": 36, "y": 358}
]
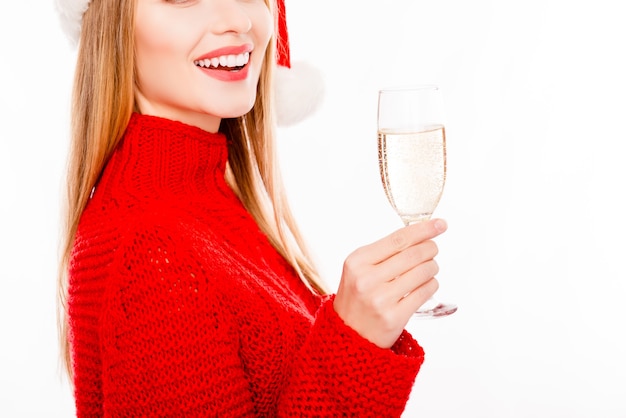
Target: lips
[{"x": 228, "y": 58}]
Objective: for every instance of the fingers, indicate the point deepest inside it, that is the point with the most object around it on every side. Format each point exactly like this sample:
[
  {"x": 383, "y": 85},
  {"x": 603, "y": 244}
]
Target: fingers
[
  {"x": 399, "y": 241},
  {"x": 404, "y": 261},
  {"x": 412, "y": 280},
  {"x": 412, "y": 301}
]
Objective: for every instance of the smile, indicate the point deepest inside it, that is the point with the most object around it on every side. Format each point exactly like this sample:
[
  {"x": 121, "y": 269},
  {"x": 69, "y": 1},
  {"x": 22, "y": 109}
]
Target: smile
[{"x": 225, "y": 62}]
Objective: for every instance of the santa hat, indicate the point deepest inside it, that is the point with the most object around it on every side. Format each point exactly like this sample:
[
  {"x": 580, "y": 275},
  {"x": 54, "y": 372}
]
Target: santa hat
[{"x": 299, "y": 85}]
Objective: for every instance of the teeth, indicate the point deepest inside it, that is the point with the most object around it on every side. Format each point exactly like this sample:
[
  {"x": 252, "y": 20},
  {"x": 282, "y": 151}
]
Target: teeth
[{"x": 231, "y": 61}]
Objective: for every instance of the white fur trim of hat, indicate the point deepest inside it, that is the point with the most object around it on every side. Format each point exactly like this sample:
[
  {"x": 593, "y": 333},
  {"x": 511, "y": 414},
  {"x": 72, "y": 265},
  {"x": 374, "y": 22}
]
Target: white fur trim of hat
[{"x": 299, "y": 85}]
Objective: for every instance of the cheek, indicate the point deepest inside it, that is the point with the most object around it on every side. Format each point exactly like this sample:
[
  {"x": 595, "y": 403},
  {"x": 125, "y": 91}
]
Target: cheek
[
  {"x": 156, "y": 58},
  {"x": 264, "y": 25},
  {"x": 151, "y": 48},
  {"x": 153, "y": 35}
]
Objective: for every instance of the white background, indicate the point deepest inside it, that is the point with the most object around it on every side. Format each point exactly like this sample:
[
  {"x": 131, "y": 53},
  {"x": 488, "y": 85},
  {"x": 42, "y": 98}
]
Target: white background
[{"x": 534, "y": 255}]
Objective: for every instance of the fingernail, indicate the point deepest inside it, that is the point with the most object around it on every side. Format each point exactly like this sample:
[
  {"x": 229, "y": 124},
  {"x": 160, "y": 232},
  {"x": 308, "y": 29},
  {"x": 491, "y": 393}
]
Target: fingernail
[{"x": 441, "y": 225}]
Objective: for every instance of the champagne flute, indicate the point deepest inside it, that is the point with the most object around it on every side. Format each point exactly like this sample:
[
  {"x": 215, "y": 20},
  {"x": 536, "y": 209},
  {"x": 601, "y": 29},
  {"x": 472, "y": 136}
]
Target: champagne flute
[{"x": 412, "y": 159}]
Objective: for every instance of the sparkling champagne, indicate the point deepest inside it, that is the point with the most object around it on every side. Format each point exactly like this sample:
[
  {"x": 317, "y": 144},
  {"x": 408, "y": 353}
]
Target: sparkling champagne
[{"x": 413, "y": 170}]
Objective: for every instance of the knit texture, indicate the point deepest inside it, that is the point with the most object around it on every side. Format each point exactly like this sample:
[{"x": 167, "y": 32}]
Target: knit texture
[{"x": 179, "y": 306}]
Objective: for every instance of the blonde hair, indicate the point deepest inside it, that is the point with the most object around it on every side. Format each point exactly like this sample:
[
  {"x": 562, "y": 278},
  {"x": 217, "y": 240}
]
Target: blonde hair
[{"x": 102, "y": 104}]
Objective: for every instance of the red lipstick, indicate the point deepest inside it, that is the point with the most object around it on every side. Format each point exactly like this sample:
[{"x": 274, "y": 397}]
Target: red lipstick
[{"x": 227, "y": 50}]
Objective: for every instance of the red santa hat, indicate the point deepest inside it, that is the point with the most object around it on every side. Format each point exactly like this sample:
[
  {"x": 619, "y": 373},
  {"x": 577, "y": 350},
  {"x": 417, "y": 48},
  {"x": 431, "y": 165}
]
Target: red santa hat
[{"x": 299, "y": 85}]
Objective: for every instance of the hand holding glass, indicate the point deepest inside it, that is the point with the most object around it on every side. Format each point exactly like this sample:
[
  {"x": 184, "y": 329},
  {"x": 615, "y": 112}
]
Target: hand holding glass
[{"x": 412, "y": 159}]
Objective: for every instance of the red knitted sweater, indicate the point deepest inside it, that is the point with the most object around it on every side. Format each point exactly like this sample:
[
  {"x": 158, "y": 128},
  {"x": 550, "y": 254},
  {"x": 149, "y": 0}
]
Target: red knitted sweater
[{"x": 180, "y": 307}]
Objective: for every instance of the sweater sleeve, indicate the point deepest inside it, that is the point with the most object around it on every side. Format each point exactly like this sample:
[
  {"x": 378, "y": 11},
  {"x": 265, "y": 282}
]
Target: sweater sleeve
[{"x": 352, "y": 376}]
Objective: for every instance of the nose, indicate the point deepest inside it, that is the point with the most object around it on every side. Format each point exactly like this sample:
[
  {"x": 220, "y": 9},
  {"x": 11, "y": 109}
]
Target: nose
[{"x": 229, "y": 16}]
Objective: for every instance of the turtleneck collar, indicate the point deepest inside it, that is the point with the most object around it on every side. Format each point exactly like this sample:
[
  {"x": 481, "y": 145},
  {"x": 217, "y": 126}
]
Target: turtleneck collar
[{"x": 160, "y": 156}]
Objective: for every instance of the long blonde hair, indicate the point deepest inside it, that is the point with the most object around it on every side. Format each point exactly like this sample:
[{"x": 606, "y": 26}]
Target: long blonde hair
[{"x": 102, "y": 104}]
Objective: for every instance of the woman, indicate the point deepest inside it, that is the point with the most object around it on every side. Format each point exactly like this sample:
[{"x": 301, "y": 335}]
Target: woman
[{"x": 186, "y": 286}]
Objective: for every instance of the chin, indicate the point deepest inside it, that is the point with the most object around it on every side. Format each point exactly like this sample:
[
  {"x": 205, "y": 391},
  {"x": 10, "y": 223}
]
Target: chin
[{"x": 236, "y": 111}]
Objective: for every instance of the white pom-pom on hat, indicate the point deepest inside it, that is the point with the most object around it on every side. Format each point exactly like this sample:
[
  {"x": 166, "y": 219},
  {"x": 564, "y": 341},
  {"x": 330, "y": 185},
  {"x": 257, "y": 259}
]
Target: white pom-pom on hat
[
  {"x": 299, "y": 88},
  {"x": 71, "y": 16},
  {"x": 299, "y": 92}
]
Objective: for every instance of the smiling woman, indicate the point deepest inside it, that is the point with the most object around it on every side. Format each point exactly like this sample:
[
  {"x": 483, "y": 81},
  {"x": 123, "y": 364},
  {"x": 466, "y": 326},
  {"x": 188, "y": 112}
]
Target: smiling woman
[
  {"x": 172, "y": 37},
  {"x": 186, "y": 287}
]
